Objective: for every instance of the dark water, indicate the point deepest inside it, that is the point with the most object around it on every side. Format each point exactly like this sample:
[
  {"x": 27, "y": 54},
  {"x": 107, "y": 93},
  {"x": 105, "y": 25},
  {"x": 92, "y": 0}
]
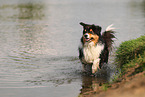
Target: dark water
[{"x": 39, "y": 40}]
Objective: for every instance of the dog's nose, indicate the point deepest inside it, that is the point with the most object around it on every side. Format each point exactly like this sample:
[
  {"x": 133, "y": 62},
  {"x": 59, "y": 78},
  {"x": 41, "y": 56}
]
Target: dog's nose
[{"x": 86, "y": 36}]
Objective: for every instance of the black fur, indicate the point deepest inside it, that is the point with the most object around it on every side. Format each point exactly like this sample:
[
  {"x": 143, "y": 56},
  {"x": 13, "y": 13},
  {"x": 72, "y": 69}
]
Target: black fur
[{"x": 108, "y": 40}]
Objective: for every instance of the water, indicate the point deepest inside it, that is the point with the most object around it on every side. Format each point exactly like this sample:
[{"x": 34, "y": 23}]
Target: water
[{"x": 39, "y": 41}]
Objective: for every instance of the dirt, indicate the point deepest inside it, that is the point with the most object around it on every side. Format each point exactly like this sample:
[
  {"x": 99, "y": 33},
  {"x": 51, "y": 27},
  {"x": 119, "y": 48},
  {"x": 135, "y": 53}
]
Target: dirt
[{"x": 129, "y": 85}]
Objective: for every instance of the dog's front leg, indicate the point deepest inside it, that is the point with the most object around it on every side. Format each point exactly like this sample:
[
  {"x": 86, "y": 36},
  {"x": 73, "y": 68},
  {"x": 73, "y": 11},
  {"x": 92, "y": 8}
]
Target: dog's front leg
[{"x": 95, "y": 65}]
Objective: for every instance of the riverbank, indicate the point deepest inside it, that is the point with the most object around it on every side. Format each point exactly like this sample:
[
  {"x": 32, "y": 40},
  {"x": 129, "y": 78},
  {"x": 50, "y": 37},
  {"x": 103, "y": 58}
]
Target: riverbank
[{"x": 130, "y": 57}]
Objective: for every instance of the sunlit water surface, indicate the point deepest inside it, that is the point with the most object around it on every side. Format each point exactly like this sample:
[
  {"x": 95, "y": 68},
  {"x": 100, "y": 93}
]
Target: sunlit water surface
[{"x": 39, "y": 41}]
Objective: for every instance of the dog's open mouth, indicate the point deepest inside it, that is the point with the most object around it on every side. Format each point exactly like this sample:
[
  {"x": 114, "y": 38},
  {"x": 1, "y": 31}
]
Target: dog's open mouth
[{"x": 88, "y": 39}]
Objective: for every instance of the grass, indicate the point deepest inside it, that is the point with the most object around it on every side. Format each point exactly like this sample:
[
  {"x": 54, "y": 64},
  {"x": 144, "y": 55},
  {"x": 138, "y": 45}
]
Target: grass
[
  {"x": 130, "y": 52},
  {"x": 140, "y": 60}
]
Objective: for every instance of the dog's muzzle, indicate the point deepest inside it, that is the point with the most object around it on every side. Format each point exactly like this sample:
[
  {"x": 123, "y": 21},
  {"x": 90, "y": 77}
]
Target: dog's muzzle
[{"x": 87, "y": 37}]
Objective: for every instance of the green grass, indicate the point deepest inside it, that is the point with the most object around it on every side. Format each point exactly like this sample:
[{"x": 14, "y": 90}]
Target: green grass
[
  {"x": 129, "y": 52},
  {"x": 137, "y": 61}
]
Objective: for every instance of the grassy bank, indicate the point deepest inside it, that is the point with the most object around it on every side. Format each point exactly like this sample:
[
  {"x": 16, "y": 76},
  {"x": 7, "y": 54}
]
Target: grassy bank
[{"x": 131, "y": 54}]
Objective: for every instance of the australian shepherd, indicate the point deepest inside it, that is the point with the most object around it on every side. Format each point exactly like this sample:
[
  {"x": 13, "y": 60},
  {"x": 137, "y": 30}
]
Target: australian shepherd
[{"x": 95, "y": 47}]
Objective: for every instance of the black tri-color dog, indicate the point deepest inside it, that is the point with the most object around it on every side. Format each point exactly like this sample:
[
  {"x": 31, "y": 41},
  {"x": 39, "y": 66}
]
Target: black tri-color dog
[{"x": 95, "y": 47}]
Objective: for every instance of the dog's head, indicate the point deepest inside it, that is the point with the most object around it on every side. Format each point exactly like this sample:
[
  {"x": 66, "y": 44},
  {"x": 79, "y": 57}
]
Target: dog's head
[{"x": 91, "y": 33}]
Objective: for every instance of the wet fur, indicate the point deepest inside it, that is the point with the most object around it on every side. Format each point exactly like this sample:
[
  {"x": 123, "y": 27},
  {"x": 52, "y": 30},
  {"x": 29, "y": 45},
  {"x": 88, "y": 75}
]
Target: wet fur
[{"x": 95, "y": 52}]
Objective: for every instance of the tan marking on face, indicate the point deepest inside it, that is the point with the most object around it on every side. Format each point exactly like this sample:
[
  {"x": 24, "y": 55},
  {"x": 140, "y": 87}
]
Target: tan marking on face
[
  {"x": 91, "y": 30},
  {"x": 95, "y": 38}
]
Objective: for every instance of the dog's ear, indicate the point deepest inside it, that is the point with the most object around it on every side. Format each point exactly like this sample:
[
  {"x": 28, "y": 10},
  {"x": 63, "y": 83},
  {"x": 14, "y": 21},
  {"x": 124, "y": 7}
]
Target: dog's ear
[
  {"x": 83, "y": 24},
  {"x": 97, "y": 29}
]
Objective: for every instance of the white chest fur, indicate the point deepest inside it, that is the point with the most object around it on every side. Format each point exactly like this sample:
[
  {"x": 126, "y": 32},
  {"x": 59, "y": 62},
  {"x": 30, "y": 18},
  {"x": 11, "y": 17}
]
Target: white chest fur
[{"x": 92, "y": 52}]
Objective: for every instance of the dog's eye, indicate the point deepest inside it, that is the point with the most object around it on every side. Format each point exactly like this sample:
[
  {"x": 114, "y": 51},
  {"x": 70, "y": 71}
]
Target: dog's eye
[
  {"x": 91, "y": 31},
  {"x": 84, "y": 31}
]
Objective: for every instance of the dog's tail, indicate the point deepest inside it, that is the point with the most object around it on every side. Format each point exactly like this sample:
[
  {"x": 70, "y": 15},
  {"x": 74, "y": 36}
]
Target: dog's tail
[{"x": 108, "y": 36}]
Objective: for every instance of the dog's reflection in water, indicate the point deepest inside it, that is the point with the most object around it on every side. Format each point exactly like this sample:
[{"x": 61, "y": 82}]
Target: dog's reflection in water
[
  {"x": 90, "y": 85},
  {"x": 93, "y": 83}
]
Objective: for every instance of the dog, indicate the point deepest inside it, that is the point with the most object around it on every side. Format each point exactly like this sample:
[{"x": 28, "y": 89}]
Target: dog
[{"x": 94, "y": 48}]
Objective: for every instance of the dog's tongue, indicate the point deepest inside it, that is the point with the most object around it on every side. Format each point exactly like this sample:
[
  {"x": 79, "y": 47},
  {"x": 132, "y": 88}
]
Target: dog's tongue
[{"x": 87, "y": 39}]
